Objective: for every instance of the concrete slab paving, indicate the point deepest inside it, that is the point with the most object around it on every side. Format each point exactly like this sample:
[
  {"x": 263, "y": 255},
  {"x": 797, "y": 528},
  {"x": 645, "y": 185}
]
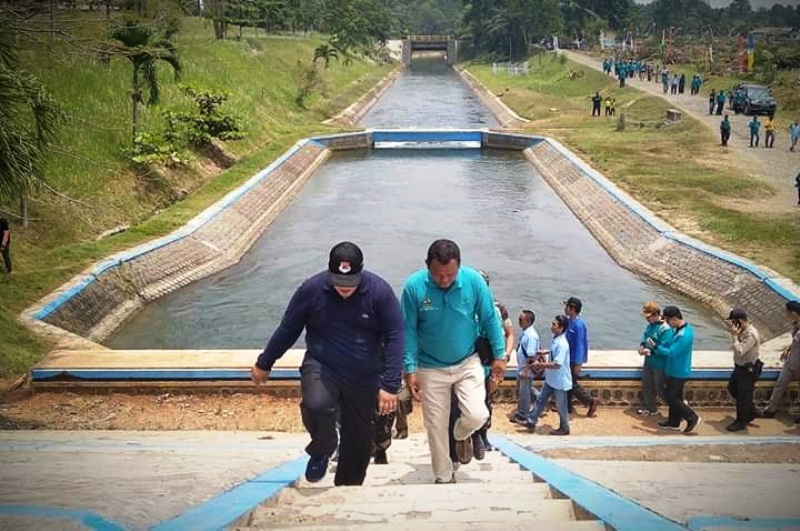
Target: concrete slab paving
[
  {"x": 681, "y": 491},
  {"x": 133, "y": 479}
]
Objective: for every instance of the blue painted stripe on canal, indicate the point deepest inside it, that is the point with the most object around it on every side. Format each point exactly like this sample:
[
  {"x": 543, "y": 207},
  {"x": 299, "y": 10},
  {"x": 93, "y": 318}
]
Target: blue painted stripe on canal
[
  {"x": 294, "y": 374},
  {"x": 218, "y": 513},
  {"x": 474, "y": 135},
  {"x": 700, "y": 523},
  {"x": 86, "y": 518},
  {"x": 612, "y": 509},
  {"x": 187, "y": 230}
]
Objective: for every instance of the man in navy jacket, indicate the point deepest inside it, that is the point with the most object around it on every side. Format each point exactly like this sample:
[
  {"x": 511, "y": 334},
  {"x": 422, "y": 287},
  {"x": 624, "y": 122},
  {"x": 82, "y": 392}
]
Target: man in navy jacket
[{"x": 352, "y": 319}]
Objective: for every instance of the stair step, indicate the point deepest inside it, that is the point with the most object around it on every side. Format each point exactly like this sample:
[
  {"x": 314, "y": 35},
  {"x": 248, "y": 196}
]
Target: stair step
[
  {"x": 413, "y": 509},
  {"x": 413, "y": 525},
  {"x": 423, "y": 474},
  {"x": 390, "y": 493}
]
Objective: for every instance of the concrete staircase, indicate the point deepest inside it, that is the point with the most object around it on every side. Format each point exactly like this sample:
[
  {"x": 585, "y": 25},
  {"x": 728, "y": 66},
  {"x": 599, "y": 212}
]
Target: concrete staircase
[{"x": 489, "y": 495}]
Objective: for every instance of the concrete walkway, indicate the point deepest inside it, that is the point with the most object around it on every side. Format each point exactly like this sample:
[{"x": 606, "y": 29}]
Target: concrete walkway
[
  {"x": 777, "y": 166},
  {"x": 179, "y": 480}
]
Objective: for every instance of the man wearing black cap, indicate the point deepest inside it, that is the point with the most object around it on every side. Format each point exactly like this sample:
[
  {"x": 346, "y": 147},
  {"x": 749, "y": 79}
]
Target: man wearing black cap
[
  {"x": 746, "y": 368},
  {"x": 353, "y": 360},
  {"x": 578, "y": 355}
]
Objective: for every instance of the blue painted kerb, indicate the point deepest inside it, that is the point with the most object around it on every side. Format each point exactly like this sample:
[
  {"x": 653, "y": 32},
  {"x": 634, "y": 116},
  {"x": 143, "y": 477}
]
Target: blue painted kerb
[
  {"x": 221, "y": 511},
  {"x": 609, "y": 507}
]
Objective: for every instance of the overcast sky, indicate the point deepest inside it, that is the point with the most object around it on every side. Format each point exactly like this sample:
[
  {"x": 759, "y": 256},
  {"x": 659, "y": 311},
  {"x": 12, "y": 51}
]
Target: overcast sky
[{"x": 756, "y": 4}]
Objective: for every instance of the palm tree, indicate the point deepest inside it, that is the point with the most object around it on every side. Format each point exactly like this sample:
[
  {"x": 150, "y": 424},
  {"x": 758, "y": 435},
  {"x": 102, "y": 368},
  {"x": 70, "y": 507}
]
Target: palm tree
[
  {"x": 30, "y": 117},
  {"x": 326, "y": 53},
  {"x": 144, "y": 47}
]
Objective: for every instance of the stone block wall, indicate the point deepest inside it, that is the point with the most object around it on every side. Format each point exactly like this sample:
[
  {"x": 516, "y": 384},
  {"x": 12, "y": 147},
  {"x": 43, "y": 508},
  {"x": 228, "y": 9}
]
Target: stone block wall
[
  {"x": 508, "y": 119},
  {"x": 653, "y": 250},
  {"x": 355, "y": 112},
  {"x": 220, "y": 242}
]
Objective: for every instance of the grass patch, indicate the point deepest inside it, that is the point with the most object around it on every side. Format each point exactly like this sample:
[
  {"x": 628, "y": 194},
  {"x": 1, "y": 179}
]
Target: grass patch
[
  {"x": 677, "y": 170},
  {"x": 261, "y": 74}
]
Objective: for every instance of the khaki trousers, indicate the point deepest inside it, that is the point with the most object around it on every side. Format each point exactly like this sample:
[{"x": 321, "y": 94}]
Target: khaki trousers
[{"x": 466, "y": 380}]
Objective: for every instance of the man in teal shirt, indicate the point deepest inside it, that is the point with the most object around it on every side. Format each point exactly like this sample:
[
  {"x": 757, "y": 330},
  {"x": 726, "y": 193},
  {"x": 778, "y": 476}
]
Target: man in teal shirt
[
  {"x": 678, "y": 351},
  {"x": 653, "y": 378},
  {"x": 444, "y": 307}
]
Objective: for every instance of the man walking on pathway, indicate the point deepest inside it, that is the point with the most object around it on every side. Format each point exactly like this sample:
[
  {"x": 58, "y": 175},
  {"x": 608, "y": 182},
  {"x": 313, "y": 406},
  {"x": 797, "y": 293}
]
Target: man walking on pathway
[
  {"x": 527, "y": 352},
  {"x": 746, "y": 368},
  {"x": 5, "y": 243},
  {"x": 444, "y": 307},
  {"x": 794, "y": 134},
  {"x": 653, "y": 377},
  {"x": 353, "y": 360},
  {"x": 754, "y": 126},
  {"x": 791, "y": 363},
  {"x": 678, "y": 351},
  {"x": 725, "y": 130},
  {"x": 578, "y": 355},
  {"x": 596, "y": 100},
  {"x": 769, "y": 133}
]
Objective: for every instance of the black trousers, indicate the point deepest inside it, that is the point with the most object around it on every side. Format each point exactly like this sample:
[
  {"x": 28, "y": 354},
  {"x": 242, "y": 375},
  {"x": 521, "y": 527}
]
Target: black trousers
[
  {"x": 678, "y": 409},
  {"x": 383, "y": 431},
  {"x": 726, "y": 135},
  {"x": 595, "y": 109},
  {"x": 7, "y": 257},
  {"x": 324, "y": 395},
  {"x": 583, "y": 396},
  {"x": 741, "y": 385}
]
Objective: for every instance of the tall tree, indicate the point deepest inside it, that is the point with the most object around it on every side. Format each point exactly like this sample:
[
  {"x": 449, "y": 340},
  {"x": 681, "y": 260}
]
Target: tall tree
[
  {"x": 30, "y": 117},
  {"x": 144, "y": 47}
]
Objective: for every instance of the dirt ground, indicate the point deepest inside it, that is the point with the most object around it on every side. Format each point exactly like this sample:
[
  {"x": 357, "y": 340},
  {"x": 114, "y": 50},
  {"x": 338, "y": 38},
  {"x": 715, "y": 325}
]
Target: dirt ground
[
  {"x": 720, "y": 453},
  {"x": 23, "y": 409}
]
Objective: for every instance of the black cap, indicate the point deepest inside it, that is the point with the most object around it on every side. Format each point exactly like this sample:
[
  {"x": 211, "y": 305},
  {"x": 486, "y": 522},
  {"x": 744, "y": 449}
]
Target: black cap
[
  {"x": 345, "y": 264},
  {"x": 736, "y": 314},
  {"x": 574, "y": 302},
  {"x": 671, "y": 311}
]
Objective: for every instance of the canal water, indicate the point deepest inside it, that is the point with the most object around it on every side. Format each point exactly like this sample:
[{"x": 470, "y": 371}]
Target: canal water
[{"x": 393, "y": 203}]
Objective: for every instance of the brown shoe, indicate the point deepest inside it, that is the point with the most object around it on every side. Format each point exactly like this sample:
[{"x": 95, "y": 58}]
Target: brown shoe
[
  {"x": 464, "y": 450},
  {"x": 559, "y": 431},
  {"x": 593, "y": 408}
]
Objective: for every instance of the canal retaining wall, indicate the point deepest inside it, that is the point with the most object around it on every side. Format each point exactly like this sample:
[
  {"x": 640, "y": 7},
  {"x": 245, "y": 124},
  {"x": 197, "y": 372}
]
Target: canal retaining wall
[
  {"x": 355, "y": 112},
  {"x": 507, "y": 118},
  {"x": 90, "y": 307},
  {"x": 642, "y": 243}
]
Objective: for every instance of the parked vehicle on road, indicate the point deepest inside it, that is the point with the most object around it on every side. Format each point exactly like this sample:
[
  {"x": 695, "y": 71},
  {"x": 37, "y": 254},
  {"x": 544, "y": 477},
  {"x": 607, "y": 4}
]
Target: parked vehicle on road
[{"x": 755, "y": 99}]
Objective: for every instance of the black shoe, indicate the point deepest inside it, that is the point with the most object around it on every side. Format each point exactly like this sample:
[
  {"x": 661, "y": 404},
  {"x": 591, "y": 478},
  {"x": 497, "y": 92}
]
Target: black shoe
[
  {"x": 593, "y": 407},
  {"x": 516, "y": 419},
  {"x": 767, "y": 414},
  {"x": 464, "y": 450},
  {"x": 559, "y": 431},
  {"x": 381, "y": 458},
  {"x": 316, "y": 468},
  {"x": 665, "y": 425},
  {"x": 401, "y": 435},
  {"x": 736, "y": 426},
  {"x": 692, "y": 424},
  {"x": 530, "y": 425},
  {"x": 478, "y": 447}
]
